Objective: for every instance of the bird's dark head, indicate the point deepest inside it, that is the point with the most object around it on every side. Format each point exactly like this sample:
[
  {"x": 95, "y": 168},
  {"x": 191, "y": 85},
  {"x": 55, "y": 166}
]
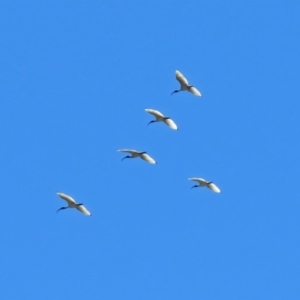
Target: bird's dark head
[
  {"x": 176, "y": 91},
  {"x": 61, "y": 208},
  {"x": 125, "y": 157},
  {"x": 194, "y": 186},
  {"x": 151, "y": 122}
]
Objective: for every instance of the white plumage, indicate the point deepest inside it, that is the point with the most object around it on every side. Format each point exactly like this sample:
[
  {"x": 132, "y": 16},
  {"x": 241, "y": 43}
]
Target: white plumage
[
  {"x": 184, "y": 85},
  {"x": 72, "y": 204},
  {"x": 143, "y": 155},
  {"x": 161, "y": 118},
  {"x": 203, "y": 183}
]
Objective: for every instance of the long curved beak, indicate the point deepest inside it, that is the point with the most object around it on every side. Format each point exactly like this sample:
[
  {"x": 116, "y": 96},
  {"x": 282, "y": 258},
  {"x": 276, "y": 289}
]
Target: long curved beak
[
  {"x": 174, "y": 92},
  {"x": 194, "y": 186},
  {"x": 124, "y": 158},
  {"x": 150, "y": 122}
]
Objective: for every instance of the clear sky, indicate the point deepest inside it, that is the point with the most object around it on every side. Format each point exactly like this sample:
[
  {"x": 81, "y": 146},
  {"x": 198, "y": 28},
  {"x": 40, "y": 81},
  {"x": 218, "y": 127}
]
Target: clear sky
[{"x": 75, "y": 79}]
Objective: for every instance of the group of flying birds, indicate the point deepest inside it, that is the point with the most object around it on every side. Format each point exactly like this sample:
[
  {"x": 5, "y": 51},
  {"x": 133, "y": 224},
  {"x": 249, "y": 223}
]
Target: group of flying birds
[{"x": 159, "y": 117}]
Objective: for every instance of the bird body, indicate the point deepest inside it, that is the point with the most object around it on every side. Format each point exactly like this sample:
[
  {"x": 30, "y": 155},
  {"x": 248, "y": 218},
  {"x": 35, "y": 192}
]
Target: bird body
[
  {"x": 203, "y": 183},
  {"x": 184, "y": 85},
  {"x": 72, "y": 204},
  {"x": 143, "y": 155},
  {"x": 159, "y": 117}
]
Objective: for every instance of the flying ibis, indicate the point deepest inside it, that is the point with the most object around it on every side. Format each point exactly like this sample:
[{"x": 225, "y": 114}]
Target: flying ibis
[
  {"x": 204, "y": 183},
  {"x": 184, "y": 85},
  {"x": 72, "y": 204},
  {"x": 159, "y": 117},
  {"x": 143, "y": 155}
]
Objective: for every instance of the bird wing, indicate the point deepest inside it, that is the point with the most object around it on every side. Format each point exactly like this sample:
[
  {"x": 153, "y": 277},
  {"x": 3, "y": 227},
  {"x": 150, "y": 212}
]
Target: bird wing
[
  {"x": 171, "y": 124},
  {"x": 214, "y": 188},
  {"x": 194, "y": 91},
  {"x": 201, "y": 181},
  {"x": 82, "y": 209},
  {"x": 154, "y": 112},
  {"x": 148, "y": 158},
  {"x": 129, "y": 151},
  {"x": 69, "y": 199},
  {"x": 181, "y": 78}
]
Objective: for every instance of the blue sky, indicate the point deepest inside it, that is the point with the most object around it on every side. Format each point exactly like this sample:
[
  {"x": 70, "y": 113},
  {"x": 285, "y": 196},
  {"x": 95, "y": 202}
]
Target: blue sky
[{"x": 76, "y": 77}]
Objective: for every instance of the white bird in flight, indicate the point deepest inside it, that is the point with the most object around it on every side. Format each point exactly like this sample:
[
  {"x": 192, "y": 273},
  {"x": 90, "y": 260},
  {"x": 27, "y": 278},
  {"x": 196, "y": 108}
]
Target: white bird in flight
[
  {"x": 184, "y": 85},
  {"x": 208, "y": 184},
  {"x": 143, "y": 155},
  {"x": 161, "y": 118},
  {"x": 72, "y": 204}
]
